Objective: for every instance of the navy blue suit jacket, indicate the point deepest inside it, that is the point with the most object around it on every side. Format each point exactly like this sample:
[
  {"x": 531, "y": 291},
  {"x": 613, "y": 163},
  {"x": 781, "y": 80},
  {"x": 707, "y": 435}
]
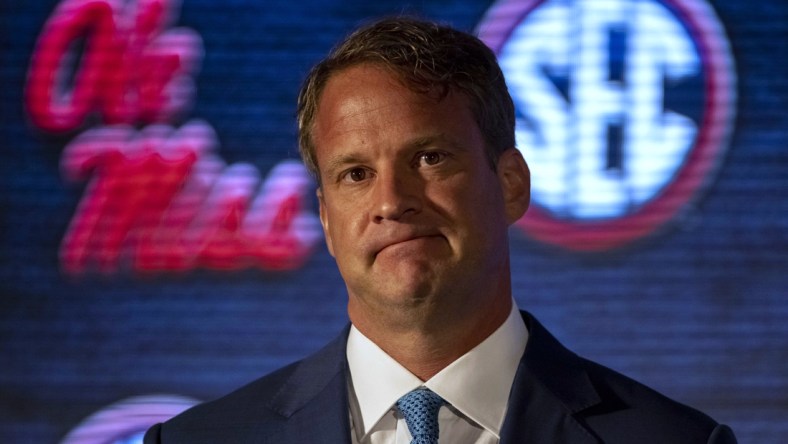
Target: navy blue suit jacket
[{"x": 557, "y": 397}]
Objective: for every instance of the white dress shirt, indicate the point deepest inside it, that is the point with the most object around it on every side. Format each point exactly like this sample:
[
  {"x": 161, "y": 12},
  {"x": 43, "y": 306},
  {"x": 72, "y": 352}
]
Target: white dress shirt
[{"x": 476, "y": 386}]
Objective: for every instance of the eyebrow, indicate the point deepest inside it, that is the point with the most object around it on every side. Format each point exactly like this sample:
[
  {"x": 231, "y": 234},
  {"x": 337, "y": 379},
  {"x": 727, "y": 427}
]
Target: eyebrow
[
  {"x": 441, "y": 138},
  {"x": 340, "y": 161},
  {"x": 421, "y": 142}
]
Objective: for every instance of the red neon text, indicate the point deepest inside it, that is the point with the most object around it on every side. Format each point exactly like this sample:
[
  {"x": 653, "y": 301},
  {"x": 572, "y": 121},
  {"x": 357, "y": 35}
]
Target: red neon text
[
  {"x": 162, "y": 200},
  {"x": 131, "y": 70},
  {"x": 159, "y": 198}
]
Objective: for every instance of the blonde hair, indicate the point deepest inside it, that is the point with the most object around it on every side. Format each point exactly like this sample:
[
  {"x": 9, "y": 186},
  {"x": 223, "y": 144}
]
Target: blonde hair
[{"x": 428, "y": 58}]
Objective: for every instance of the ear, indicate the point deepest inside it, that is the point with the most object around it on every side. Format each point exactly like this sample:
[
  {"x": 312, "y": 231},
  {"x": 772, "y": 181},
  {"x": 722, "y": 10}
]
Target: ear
[
  {"x": 324, "y": 221},
  {"x": 515, "y": 180}
]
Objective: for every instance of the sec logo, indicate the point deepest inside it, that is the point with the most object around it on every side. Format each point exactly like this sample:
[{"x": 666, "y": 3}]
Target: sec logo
[{"x": 624, "y": 109}]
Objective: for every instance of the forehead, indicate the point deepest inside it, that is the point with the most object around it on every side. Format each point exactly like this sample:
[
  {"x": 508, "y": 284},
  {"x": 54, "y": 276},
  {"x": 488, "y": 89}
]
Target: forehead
[
  {"x": 361, "y": 91},
  {"x": 368, "y": 99}
]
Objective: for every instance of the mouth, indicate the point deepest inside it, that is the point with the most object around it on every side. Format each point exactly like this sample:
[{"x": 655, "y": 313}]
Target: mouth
[{"x": 405, "y": 241}]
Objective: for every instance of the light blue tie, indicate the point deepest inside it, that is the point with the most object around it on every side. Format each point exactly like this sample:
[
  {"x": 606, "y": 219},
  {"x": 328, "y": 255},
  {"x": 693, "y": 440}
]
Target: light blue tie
[{"x": 420, "y": 409}]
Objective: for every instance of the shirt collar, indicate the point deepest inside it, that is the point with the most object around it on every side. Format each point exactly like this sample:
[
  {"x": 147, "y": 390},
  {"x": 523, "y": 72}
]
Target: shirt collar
[{"x": 477, "y": 384}]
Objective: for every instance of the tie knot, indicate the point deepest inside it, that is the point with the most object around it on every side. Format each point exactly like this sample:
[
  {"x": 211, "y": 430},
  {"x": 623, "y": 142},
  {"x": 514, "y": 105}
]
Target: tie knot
[{"x": 420, "y": 409}]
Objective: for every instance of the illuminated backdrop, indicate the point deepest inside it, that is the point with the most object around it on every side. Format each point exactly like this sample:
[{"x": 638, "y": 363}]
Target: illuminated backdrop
[{"x": 158, "y": 237}]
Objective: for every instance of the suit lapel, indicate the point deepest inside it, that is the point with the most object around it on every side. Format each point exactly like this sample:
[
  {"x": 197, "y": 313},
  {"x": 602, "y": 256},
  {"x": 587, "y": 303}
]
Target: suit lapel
[
  {"x": 549, "y": 389},
  {"x": 313, "y": 402}
]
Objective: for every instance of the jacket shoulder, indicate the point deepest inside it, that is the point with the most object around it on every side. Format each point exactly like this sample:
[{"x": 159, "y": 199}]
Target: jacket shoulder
[
  {"x": 215, "y": 421},
  {"x": 629, "y": 410},
  {"x": 611, "y": 407},
  {"x": 262, "y": 406}
]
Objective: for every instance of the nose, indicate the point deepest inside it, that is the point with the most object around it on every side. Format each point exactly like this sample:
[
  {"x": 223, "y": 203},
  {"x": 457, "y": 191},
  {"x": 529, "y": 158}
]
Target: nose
[{"x": 397, "y": 196}]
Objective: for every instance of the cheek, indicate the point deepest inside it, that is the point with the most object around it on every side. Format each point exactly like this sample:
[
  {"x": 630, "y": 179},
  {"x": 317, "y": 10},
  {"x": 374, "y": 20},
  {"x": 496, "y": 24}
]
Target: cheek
[
  {"x": 479, "y": 191},
  {"x": 343, "y": 227},
  {"x": 482, "y": 207}
]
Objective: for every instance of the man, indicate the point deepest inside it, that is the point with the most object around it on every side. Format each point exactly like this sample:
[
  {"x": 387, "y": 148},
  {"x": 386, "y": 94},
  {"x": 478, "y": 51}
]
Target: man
[{"x": 409, "y": 130}]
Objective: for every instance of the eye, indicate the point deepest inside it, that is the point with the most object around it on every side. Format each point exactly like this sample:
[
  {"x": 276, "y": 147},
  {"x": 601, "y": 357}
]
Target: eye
[
  {"x": 356, "y": 175},
  {"x": 431, "y": 158}
]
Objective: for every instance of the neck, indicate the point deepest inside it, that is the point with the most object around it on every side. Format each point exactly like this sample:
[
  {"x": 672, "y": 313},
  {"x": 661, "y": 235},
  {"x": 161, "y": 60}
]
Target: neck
[{"x": 427, "y": 347}]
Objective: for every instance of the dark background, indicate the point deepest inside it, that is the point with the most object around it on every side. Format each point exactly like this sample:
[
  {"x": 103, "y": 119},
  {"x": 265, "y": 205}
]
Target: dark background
[{"x": 697, "y": 311}]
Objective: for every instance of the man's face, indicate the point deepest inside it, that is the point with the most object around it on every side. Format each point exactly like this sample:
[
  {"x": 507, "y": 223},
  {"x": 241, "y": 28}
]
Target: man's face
[{"x": 411, "y": 209}]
